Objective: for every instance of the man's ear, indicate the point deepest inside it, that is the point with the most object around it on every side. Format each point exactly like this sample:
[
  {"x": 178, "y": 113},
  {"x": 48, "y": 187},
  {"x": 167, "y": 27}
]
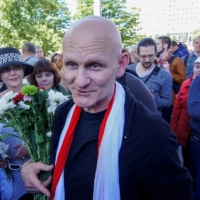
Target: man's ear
[{"x": 123, "y": 63}]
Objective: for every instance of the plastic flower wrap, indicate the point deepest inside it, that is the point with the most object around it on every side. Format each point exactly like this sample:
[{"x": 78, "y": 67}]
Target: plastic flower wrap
[{"x": 30, "y": 114}]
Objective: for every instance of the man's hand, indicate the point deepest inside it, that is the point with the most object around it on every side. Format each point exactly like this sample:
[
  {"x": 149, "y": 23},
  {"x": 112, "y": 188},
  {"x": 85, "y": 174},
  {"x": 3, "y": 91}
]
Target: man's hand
[
  {"x": 22, "y": 152},
  {"x": 29, "y": 172}
]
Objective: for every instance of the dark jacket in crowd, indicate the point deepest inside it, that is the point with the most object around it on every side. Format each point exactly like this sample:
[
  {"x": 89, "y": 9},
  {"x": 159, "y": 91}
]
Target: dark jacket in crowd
[{"x": 194, "y": 105}]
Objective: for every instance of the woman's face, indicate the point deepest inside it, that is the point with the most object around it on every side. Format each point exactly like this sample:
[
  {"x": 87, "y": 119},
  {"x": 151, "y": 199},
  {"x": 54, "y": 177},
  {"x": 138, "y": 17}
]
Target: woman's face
[
  {"x": 196, "y": 69},
  {"x": 56, "y": 58},
  {"x": 12, "y": 76},
  {"x": 45, "y": 79}
]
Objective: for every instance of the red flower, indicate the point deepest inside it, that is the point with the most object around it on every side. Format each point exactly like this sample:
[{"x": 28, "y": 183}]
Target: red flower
[
  {"x": 41, "y": 88},
  {"x": 18, "y": 98}
]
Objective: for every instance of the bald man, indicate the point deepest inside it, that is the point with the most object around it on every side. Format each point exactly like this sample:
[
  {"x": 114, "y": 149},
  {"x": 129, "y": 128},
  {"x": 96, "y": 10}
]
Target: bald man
[{"x": 105, "y": 144}]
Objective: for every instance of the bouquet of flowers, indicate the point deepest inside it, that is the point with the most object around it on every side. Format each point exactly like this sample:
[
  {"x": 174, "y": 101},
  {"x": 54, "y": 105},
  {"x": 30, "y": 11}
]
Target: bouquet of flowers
[{"x": 30, "y": 114}]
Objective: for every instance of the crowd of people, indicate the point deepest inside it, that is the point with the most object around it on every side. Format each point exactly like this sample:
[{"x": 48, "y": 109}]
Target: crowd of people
[{"x": 131, "y": 129}]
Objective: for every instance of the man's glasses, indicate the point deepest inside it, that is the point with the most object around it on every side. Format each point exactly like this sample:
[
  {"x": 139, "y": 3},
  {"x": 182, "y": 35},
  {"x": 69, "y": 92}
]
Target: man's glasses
[
  {"x": 14, "y": 166},
  {"x": 152, "y": 56}
]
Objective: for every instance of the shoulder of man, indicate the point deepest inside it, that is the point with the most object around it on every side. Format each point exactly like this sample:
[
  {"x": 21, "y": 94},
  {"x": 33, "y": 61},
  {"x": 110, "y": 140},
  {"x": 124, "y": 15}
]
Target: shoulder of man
[
  {"x": 139, "y": 90},
  {"x": 132, "y": 66}
]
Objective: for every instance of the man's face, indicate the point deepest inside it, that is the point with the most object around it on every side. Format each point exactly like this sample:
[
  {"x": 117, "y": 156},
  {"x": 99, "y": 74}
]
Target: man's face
[
  {"x": 173, "y": 48},
  {"x": 147, "y": 56},
  {"x": 160, "y": 47},
  {"x": 134, "y": 56},
  {"x": 196, "y": 45},
  {"x": 39, "y": 53},
  {"x": 90, "y": 70}
]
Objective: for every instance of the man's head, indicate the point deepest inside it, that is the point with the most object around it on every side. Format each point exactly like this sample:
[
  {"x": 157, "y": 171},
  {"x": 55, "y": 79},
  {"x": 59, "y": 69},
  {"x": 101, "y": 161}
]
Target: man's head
[
  {"x": 163, "y": 44},
  {"x": 28, "y": 49},
  {"x": 39, "y": 52},
  {"x": 92, "y": 59},
  {"x": 196, "y": 45},
  {"x": 147, "y": 52},
  {"x": 174, "y": 46}
]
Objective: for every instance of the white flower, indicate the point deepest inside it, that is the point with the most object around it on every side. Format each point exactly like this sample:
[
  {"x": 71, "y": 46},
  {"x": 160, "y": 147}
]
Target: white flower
[
  {"x": 25, "y": 81},
  {"x": 55, "y": 99},
  {"x": 23, "y": 105},
  {"x": 52, "y": 107},
  {"x": 5, "y": 106},
  {"x": 4, "y": 101},
  {"x": 48, "y": 134},
  {"x": 8, "y": 96},
  {"x": 3, "y": 149}
]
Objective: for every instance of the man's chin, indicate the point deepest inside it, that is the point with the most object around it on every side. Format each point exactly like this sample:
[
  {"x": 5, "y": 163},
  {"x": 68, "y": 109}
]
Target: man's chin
[{"x": 147, "y": 66}]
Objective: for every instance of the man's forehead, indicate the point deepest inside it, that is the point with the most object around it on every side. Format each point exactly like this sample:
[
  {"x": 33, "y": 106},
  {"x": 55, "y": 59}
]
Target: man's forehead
[{"x": 197, "y": 40}]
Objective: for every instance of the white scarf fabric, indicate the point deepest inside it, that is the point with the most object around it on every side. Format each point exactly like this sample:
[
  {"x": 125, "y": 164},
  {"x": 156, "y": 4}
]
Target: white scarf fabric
[{"x": 106, "y": 184}]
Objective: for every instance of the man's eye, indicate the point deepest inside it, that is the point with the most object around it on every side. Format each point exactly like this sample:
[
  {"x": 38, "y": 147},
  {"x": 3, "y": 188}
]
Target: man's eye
[
  {"x": 95, "y": 66},
  {"x": 71, "y": 65}
]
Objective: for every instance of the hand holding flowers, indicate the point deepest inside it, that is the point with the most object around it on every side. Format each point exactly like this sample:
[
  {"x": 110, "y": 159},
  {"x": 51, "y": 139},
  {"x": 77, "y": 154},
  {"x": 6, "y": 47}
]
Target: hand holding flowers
[{"x": 30, "y": 114}]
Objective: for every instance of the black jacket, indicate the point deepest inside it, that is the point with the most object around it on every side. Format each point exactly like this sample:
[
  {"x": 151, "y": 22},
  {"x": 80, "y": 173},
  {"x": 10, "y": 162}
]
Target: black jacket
[{"x": 149, "y": 166}]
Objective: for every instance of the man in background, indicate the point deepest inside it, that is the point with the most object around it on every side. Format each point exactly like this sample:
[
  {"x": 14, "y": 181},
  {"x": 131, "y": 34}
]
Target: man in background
[
  {"x": 189, "y": 59},
  {"x": 29, "y": 53},
  {"x": 178, "y": 50},
  {"x": 39, "y": 52}
]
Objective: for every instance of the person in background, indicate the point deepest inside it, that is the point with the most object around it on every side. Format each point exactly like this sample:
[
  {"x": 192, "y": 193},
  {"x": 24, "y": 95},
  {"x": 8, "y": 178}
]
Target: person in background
[
  {"x": 133, "y": 54},
  {"x": 178, "y": 50},
  {"x": 156, "y": 79},
  {"x": 46, "y": 75},
  {"x": 172, "y": 65},
  {"x": 29, "y": 53},
  {"x": 56, "y": 57},
  {"x": 59, "y": 66},
  {"x": 39, "y": 52},
  {"x": 180, "y": 118},
  {"x": 189, "y": 59},
  {"x": 12, "y": 71},
  {"x": 194, "y": 145}
]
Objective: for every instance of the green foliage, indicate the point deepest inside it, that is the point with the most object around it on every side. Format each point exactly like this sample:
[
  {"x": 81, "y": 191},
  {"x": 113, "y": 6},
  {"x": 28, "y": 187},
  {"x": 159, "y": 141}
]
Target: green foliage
[
  {"x": 38, "y": 21},
  {"x": 115, "y": 10},
  {"x": 195, "y": 34}
]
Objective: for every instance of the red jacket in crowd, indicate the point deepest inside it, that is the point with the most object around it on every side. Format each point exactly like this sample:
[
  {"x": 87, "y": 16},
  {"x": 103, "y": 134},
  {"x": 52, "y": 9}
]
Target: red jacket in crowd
[{"x": 180, "y": 118}]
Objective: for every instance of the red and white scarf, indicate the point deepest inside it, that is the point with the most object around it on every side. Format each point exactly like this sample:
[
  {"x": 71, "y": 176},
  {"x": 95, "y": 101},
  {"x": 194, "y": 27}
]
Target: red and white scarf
[{"x": 106, "y": 184}]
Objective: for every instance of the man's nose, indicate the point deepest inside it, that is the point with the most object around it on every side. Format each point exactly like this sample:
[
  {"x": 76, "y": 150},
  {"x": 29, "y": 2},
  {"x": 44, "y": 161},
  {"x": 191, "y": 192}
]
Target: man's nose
[
  {"x": 82, "y": 78},
  {"x": 147, "y": 58}
]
